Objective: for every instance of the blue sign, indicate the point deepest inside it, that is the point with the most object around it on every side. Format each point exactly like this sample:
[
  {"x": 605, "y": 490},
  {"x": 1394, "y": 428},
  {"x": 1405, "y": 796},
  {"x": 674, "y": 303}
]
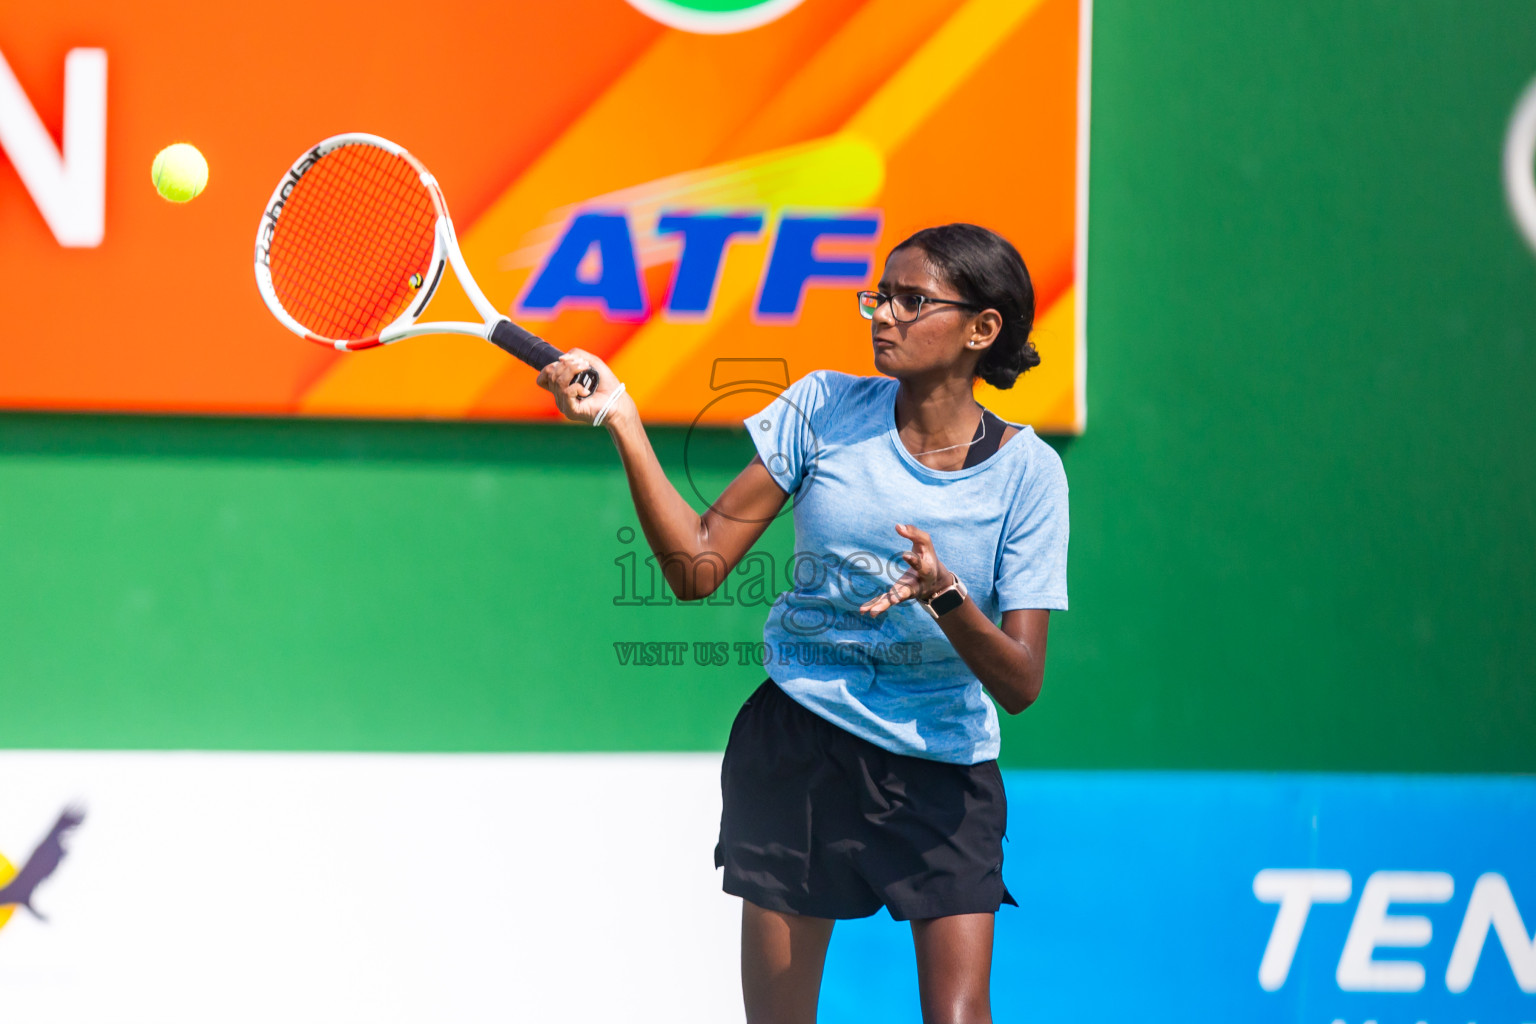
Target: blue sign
[{"x": 1243, "y": 899}]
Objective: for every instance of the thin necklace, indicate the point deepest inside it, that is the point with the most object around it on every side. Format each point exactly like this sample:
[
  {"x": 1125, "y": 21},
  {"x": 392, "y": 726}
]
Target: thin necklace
[{"x": 962, "y": 444}]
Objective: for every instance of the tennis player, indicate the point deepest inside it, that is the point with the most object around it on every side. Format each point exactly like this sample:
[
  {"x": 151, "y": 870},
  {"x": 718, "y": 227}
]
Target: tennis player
[{"x": 931, "y": 541}]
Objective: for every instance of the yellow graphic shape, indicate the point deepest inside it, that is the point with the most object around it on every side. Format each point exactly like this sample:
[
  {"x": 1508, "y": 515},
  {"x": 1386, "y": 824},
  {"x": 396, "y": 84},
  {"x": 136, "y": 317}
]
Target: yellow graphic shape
[
  {"x": 841, "y": 75},
  {"x": 948, "y": 58},
  {"x": 1055, "y": 338},
  {"x": 7, "y": 872},
  {"x": 650, "y": 358},
  {"x": 837, "y": 171}
]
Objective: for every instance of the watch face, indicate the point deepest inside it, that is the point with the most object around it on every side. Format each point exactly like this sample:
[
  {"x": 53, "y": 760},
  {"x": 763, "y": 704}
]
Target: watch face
[{"x": 947, "y": 602}]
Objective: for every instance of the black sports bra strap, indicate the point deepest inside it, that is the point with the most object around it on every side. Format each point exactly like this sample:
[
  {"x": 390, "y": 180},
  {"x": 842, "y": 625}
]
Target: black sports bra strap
[{"x": 990, "y": 434}]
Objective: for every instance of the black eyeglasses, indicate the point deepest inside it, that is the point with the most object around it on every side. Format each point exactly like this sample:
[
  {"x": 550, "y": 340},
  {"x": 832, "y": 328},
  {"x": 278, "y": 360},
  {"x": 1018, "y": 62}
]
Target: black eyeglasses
[{"x": 904, "y": 307}]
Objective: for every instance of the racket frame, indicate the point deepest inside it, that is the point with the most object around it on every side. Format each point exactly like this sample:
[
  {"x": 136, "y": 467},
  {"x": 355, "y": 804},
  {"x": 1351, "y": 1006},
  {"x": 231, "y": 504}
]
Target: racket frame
[{"x": 445, "y": 252}]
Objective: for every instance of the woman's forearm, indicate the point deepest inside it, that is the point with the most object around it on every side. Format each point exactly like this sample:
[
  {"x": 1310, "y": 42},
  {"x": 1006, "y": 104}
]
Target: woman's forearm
[
  {"x": 1010, "y": 671},
  {"x": 672, "y": 528}
]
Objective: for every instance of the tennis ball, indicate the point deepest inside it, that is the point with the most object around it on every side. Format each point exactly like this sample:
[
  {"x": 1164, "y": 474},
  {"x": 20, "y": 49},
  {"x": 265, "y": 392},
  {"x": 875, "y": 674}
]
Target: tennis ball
[{"x": 179, "y": 172}]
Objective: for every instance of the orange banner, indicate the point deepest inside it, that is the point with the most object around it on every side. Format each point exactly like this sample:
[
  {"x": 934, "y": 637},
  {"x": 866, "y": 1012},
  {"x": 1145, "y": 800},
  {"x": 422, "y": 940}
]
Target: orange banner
[{"x": 662, "y": 191}]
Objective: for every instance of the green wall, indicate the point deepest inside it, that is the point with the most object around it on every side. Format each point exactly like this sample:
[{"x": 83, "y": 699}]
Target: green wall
[{"x": 1303, "y": 512}]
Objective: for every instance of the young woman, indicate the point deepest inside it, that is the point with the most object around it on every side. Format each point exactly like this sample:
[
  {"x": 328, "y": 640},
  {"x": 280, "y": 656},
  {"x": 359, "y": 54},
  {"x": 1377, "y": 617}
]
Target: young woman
[{"x": 863, "y": 772}]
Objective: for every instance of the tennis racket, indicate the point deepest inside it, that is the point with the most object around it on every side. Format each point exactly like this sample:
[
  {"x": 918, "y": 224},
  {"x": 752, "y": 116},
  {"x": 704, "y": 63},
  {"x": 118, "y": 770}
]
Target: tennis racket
[{"x": 352, "y": 247}]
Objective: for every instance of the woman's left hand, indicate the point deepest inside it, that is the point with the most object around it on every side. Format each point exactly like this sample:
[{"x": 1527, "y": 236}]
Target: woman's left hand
[{"x": 925, "y": 577}]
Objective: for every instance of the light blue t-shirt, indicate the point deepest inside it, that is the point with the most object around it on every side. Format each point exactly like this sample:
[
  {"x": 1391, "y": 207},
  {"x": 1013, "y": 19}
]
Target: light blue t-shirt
[{"x": 830, "y": 441}]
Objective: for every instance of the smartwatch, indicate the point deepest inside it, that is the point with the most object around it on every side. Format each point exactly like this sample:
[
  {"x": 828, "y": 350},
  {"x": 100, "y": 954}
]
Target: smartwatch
[{"x": 948, "y": 599}]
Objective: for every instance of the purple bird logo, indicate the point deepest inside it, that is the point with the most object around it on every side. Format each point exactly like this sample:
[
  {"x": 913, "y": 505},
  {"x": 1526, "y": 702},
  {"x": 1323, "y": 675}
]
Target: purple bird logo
[{"x": 19, "y": 888}]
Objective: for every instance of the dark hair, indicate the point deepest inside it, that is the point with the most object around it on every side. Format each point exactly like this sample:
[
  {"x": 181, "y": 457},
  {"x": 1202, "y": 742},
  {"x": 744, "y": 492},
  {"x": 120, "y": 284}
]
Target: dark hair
[{"x": 987, "y": 271}]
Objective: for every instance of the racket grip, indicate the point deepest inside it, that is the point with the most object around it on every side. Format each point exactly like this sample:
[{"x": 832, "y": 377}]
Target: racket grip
[{"x": 533, "y": 350}]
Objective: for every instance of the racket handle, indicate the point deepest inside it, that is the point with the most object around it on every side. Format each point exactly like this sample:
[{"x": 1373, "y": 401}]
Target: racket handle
[{"x": 533, "y": 350}]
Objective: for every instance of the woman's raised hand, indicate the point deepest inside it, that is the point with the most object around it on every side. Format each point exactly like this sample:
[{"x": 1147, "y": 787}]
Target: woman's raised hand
[{"x": 924, "y": 577}]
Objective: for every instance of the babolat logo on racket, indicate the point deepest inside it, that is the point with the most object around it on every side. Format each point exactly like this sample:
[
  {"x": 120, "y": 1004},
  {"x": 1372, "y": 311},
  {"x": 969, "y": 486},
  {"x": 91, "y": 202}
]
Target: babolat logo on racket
[
  {"x": 19, "y": 887},
  {"x": 269, "y": 222},
  {"x": 715, "y": 17}
]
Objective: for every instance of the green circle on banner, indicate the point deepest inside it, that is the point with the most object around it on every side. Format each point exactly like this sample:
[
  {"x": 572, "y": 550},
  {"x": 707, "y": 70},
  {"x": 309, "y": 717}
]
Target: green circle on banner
[{"x": 715, "y": 17}]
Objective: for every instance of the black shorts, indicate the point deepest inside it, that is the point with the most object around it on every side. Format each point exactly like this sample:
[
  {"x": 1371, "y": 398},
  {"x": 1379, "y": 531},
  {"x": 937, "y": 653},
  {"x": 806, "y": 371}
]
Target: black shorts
[{"x": 820, "y": 822}]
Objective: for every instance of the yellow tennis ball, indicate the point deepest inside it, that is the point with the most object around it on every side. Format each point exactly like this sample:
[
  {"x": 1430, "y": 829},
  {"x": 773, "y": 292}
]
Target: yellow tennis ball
[{"x": 179, "y": 172}]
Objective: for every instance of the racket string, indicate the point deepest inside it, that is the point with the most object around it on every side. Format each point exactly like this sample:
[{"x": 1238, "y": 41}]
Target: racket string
[{"x": 354, "y": 231}]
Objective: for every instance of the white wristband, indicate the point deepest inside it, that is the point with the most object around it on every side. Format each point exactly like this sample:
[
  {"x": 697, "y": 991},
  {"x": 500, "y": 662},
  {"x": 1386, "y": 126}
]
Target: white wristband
[{"x": 603, "y": 412}]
